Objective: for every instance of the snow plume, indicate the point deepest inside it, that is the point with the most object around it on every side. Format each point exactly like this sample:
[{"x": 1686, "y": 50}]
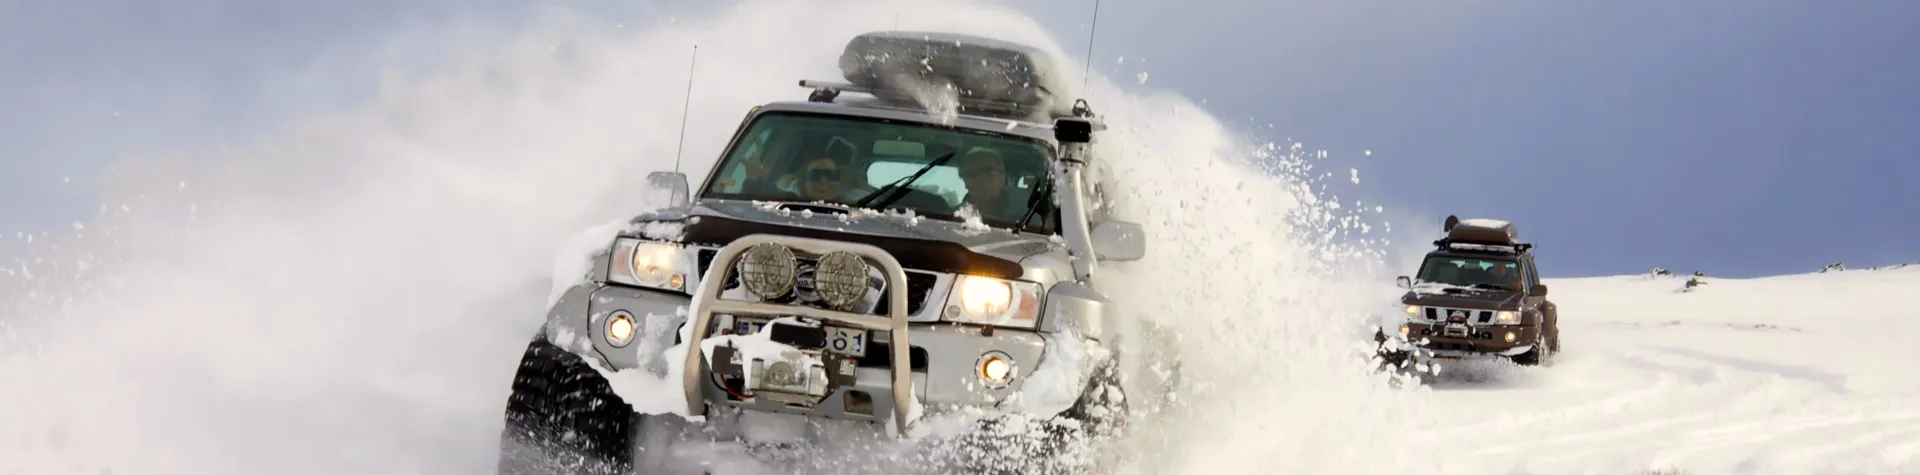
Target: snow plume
[
  {"x": 1268, "y": 285},
  {"x": 350, "y": 294}
]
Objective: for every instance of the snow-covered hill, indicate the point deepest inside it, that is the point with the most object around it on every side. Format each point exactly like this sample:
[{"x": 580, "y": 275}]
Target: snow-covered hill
[{"x": 1812, "y": 373}]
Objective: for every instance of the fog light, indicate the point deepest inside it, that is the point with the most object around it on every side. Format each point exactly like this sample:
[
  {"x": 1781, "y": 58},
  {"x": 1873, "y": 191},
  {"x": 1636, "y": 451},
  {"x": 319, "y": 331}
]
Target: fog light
[
  {"x": 996, "y": 369},
  {"x": 620, "y": 329},
  {"x": 1404, "y": 330},
  {"x": 1510, "y": 337}
]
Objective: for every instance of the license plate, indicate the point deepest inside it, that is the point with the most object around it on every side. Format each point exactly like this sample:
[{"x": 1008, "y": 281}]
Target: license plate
[
  {"x": 748, "y": 326},
  {"x": 846, "y": 341}
]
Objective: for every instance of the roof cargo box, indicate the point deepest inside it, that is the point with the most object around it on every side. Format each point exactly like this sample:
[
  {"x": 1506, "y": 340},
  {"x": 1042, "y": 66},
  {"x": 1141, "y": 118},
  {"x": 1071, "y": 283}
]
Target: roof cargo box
[
  {"x": 1483, "y": 231},
  {"x": 987, "y": 73}
]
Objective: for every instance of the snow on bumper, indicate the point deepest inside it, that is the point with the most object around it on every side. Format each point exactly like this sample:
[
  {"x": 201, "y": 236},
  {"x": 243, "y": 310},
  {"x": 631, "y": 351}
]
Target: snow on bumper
[
  {"x": 1482, "y": 340},
  {"x": 1048, "y": 370}
]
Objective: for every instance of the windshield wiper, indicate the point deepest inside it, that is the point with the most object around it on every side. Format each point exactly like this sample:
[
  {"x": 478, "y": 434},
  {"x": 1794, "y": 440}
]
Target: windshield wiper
[
  {"x": 1033, "y": 203},
  {"x": 898, "y": 188}
]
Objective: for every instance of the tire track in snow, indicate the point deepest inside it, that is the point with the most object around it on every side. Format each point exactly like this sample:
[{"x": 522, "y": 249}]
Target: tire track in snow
[
  {"x": 1711, "y": 390},
  {"x": 1870, "y": 442},
  {"x": 1749, "y": 392},
  {"x": 1612, "y": 405},
  {"x": 1902, "y": 454},
  {"x": 1757, "y": 436},
  {"x": 1700, "y": 402}
]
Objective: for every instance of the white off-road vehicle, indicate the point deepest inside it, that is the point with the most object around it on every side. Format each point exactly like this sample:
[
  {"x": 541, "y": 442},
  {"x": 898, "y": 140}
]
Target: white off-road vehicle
[{"x": 920, "y": 241}]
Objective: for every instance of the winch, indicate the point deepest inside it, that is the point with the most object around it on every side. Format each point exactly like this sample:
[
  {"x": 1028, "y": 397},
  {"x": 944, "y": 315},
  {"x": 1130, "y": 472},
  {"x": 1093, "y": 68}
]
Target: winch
[{"x": 802, "y": 375}]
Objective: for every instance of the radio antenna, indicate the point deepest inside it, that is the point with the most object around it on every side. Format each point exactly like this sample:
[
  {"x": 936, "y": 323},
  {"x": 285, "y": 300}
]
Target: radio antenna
[
  {"x": 1086, "y": 77},
  {"x": 684, "y": 107}
]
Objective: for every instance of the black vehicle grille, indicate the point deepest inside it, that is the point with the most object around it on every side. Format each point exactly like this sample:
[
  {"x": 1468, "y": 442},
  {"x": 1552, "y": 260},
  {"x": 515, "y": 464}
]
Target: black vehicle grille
[
  {"x": 919, "y": 284},
  {"x": 1439, "y": 314}
]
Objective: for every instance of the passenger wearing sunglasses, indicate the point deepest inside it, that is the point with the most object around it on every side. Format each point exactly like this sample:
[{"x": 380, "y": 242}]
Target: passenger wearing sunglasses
[{"x": 822, "y": 180}]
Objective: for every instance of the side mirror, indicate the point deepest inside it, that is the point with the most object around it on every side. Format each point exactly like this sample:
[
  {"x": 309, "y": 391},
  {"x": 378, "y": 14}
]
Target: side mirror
[
  {"x": 1119, "y": 241},
  {"x": 1537, "y": 291},
  {"x": 674, "y": 183},
  {"x": 1404, "y": 282}
]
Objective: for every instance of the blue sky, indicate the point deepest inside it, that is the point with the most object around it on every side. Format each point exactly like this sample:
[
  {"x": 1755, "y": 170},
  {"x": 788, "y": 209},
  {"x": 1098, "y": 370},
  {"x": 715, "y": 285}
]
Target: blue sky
[{"x": 1739, "y": 138}]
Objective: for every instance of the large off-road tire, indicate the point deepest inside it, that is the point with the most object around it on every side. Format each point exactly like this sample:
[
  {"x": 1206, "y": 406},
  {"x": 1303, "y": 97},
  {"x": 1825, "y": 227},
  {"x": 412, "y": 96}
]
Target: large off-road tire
[
  {"x": 563, "y": 417},
  {"x": 1061, "y": 444},
  {"x": 1541, "y": 353}
]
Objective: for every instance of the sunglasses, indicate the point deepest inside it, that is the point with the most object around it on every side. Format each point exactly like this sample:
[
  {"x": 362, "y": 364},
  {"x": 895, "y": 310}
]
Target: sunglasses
[
  {"x": 818, "y": 174},
  {"x": 982, "y": 171}
]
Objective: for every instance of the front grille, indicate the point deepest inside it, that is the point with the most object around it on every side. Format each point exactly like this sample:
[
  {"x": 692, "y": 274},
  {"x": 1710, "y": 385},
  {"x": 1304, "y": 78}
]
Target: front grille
[
  {"x": 1439, "y": 314},
  {"x": 919, "y": 284}
]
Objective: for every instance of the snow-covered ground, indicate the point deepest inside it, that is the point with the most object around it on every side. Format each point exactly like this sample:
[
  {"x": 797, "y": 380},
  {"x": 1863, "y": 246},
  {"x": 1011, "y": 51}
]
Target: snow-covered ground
[{"x": 1812, "y": 373}]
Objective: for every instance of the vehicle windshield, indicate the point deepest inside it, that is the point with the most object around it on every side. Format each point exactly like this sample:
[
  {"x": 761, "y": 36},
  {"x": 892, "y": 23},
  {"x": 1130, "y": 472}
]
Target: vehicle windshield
[
  {"x": 1498, "y": 274},
  {"x": 835, "y": 159}
]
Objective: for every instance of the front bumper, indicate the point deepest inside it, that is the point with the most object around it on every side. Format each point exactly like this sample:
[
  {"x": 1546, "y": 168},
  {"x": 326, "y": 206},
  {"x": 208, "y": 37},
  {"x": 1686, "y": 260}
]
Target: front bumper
[
  {"x": 1442, "y": 340},
  {"x": 939, "y": 363}
]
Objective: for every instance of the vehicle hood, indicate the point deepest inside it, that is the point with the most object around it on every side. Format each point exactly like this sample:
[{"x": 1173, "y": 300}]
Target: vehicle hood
[
  {"x": 1455, "y": 297},
  {"x": 918, "y": 242}
]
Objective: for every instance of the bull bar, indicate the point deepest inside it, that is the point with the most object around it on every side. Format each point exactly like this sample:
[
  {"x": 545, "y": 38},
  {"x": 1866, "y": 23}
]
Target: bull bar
[{"x": 895, "y": 323}]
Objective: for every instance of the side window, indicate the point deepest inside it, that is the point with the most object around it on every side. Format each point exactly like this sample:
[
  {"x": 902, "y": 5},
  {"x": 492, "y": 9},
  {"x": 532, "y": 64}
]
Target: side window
[
  {"x": 750, "y": 151},
  {"x": 1532, "y": 279}
]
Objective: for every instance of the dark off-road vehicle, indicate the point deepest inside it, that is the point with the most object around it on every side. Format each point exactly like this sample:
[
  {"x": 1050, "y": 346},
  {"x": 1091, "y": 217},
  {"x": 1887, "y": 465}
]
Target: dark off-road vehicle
[{"x": 1477, "y": 295}]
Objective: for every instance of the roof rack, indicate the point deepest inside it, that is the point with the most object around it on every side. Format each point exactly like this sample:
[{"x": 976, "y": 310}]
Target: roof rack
[
  {"x": 1487, "y": 247},
  {"x": 1483, "y": 235},
  {"x": 828, "y": 92}
]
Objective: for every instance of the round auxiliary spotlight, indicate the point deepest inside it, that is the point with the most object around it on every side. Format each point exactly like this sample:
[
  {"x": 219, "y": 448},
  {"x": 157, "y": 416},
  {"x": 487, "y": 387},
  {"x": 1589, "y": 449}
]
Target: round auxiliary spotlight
[
  {"x": 840, "y": 279},
  {"x": 768, "y": 270}
]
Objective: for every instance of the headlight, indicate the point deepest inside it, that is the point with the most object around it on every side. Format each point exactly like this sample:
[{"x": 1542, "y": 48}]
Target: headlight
[
  {"x": 1506, "y": 317},
  {"x": 990, "y": 301},
  {"x": 647, "y": 264},
  {"x": 620, "y": 329},
  {"x": 1413, "y": 310}
]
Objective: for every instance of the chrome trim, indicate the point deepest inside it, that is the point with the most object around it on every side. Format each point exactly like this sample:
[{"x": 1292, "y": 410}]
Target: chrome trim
[{"x": 895, "y": 323}]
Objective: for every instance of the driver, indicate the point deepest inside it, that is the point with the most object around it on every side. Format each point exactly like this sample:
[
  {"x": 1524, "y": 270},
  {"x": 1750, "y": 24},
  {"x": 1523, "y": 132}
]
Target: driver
[
  {"x": 985, "y": 173},
  {"x": 1501, "y": 276}
]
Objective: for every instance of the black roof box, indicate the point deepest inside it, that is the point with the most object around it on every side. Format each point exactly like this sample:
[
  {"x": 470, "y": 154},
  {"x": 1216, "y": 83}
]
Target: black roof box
[
  {"x": 1482, "y": 231},
  {"x": 987, "y": 73}
]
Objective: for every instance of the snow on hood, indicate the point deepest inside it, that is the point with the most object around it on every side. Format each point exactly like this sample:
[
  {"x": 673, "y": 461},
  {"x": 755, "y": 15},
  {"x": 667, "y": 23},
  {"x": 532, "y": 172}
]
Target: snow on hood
[
  {"x": 1435, "y": 288},
  {"x": 1447, "y": 295},
  {"x": 997, "y": 242}
]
